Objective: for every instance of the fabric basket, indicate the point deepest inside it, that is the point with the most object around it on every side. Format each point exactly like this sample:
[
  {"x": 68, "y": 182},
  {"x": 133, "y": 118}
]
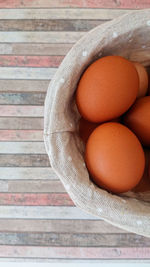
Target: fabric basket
[{"x": 128, "y": 36}]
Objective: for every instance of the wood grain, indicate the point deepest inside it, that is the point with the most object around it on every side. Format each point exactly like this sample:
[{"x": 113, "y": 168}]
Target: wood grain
[
  {"x": 48, "y": 49},
  {"x": 21, "y": 123},
  {"x": 47, "y": 212},
  {"x": 74, "y": 3},
  {"x": 42, "y": 37},
  {"x": 74, "y": 252},
  {"x": 38, "y": 219},
  {"x": 74, "y": 240},
  {"x": 27, "y": 173},
  {"x": 68, "y": 13},
  {"x": 32, "y": 186},
  {"x": 49, "y": 25},
  {"x": 21, "y": 135},
  {"x": 31, "y": 199},
  {"x": 27, "y": 160},
  {"x": 22, "y": 99},
  {"x": 22, "y": 148},
  {"x": 23, "y": 86},
  {"x": 21, "y": 111},
  {"x": 30, "y": 61},
  {"x": 27, "y": 73},
  {"x": 67, "y": 226}
]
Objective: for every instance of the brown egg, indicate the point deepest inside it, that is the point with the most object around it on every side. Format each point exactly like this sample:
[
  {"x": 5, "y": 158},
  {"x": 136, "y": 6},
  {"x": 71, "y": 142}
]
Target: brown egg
[
  {"x": 114, "y": 157},
  {"x": 138, "y": 119},
  {"x": 143, "y": 79},
  {"x": 144, "y": 184},
  {"x": 107, "y": 89},
  {"x": 86, "y": 128}
]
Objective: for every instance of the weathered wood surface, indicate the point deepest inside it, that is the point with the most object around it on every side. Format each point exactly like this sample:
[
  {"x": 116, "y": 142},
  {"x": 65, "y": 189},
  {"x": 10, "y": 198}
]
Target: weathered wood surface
[
  {"x": 23, "y": 173},
  {"x": 74, "y": 3},
  {"x": 22, "y": 99},
  {"x": 49, "y": 25},
  {"x": 38, "y": 219}
]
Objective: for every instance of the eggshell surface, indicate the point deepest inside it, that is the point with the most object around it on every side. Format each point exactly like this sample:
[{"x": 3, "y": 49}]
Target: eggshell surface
[
  {"x": 143, "y": 79},
  {"x": 144, "y": 184},
  {"x": 107, "y": 89},
  {"x": 114, "y": 157},
  {"x": 138, "y": 119}
]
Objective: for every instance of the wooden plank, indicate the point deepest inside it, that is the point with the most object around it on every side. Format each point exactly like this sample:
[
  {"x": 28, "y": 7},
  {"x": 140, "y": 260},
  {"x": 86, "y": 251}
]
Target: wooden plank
[
  {"x": 32, "y": 186},
  {"x": 63, "y": 13},
  {"x": 67, "y": 226},
  {"x": 21, "y": 135},
  {"x": 49, "y": 25},
  {"x": 30, "y": 61},
  {"x": 42, "y": 37},
  {"x": 27, "y": 173},
  {"x": 18, "y": 160},
  {"x": 74, "y": 3},
  {"x": 31, "y": 212},
  {"x": 27, "y": 73},
  {"x": 22, "y": 99},
  {"x": 23, "y": 86},
  {"x": 21, "y": 124},
  {"x": 32, "y": 199},
  {"x": 34, "y": 49},
  {"x": 74, "y": 252},
  {"x": 22, "y": 148},
  {"x": 21, "y": 111},
  {"x": 74, "y": 240}
]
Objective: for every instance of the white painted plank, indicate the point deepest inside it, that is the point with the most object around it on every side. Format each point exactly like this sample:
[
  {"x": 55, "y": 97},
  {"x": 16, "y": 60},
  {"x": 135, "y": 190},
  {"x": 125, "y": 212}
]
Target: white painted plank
[
  {"x": 32, "y": 212},
  {"x": 22, "y": 148},
  {"x": 63, "y": 13},
  {"x": 21, "y": 110},
  {"x": 27, "y": 173},
  {"x": 27, "y": 73},
  {"x": 40, "y": 37}
]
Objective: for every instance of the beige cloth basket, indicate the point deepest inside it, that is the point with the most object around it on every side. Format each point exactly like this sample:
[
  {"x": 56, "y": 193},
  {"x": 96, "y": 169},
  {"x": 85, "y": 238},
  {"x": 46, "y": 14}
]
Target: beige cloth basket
[{"x": 128, "y": 36}]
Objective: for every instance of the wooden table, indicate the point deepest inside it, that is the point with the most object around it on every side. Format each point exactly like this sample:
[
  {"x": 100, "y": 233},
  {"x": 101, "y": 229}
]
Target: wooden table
[{"x": 38, "y": 220}]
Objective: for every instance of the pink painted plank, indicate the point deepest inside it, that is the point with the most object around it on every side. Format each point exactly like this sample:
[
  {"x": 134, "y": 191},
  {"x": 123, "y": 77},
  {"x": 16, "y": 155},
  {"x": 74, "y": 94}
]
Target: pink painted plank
[
  {"x": 21, "y": 135},
  {"x": 35, "y": 199},
  {"x": 30, "y": 61},
  {"x": 75, "y": 252},
  {"x": 75, "y": 3},
  {"x": 21, "y": 111}
]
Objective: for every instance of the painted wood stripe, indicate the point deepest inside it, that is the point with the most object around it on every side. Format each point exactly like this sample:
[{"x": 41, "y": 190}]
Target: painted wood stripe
[
  {"x": 74, "y": 252},
  {"x": 21, "y": 111},
  {"x": 42, "y": 37},
  {"x": 67, "y": 226},
  {"x": 22, "y": 148},
  {"x": 25, "y": 160},
  {"x": 23, "y": 86},
  {"x": 56, "y": 13},
  {"x": 49, "y": 25},
  {"x": 30, "y": 61},
  {"x": 74, "y": 3},
  {"x": 62, "y": 262},
  {"x": 34, "y": 49},
  {"x": 27, "y": 73},
  {"x": 74, "y": 240},
  {"x": 27, "y": 173},
  {"x": 24, "y": 199},
  {"x": 32, "y": 186},
  {"x": 31, "y": 212},
  {"x": 23, "y": 99},
  {"x": 21, "y": 124},
  {"x": 21, "y": 135}
]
